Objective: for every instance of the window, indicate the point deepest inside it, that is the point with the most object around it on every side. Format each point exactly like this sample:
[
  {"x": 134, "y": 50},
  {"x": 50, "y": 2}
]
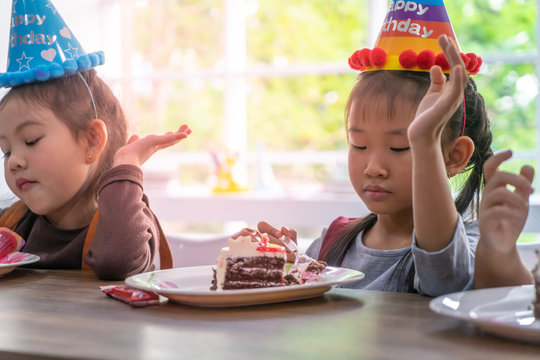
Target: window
[
  {"x": 271, "y": 77},
  {"x": 245, "y": 75}
]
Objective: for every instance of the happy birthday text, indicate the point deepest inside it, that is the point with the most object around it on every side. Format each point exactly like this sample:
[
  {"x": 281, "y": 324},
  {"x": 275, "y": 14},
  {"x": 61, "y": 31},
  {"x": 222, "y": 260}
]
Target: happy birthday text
[
  {"x": 31, "y": 37},
  {"x": 407, "y": 25},
  {"x": 27, "y": 20},
  {"x": 408, "y": 6}
]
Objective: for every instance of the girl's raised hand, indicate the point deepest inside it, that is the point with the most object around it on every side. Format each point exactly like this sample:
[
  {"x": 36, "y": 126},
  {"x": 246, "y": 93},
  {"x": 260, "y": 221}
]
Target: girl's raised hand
[
  {"x": 442, "y": 98},
  {"x": 503, "y": 211},
  {"x": 138, "y": 150}
]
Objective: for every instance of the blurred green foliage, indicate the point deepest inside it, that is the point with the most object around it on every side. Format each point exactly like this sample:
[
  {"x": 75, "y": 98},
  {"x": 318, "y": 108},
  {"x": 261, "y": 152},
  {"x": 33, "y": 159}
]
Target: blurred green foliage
[
  {"x": 304, "y": 112},
  {"x": 503, "y": 28}
]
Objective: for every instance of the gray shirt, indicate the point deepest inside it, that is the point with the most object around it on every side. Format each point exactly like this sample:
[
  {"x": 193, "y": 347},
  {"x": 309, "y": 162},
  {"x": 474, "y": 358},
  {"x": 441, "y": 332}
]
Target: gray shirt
[{"x": 436, "y": 273}]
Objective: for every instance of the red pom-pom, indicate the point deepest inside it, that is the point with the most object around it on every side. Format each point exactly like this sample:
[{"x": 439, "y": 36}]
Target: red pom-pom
[
  {"x": 442, "y": 62},
  {"x": 355, "y": 61},
  {"x": 408, "y": 58},
  {"x": 473, "y": 61},
  {"x": 377, "y": 57},
  {"x": 465, "y": 59},
  {"x": 477, "y": 68},
  {"x": 364, "y": 57},
  {"x": 426, "y": 59}
]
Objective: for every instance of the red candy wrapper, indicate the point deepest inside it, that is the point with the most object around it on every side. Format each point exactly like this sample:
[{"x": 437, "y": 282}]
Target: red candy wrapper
[{"x": 133, "y": 297}]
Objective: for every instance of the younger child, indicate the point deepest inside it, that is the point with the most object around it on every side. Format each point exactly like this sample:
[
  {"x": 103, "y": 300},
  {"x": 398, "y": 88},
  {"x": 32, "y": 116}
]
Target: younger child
[
  {"x": 67, "y": 158},
  {"x": 65, "y": 163},
  {"x": 503, "y": 213}
]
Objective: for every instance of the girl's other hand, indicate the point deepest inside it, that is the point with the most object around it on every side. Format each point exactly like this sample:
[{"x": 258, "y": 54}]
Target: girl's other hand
[
  {"x": 138, "y": 150},
  {"x": 503, "y": 211},
  {"x": 274, "y": 234},
  {"x": 442, "y": 98}
]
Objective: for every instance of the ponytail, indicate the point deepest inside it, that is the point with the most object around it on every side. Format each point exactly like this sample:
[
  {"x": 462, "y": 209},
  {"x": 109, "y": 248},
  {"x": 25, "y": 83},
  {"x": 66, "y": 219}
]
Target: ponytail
[{"x": 477, "y": 127}]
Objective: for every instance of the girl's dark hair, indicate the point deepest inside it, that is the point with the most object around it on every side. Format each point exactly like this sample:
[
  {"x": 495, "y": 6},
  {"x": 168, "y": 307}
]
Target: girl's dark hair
[
  {"x": 403, "y": 88},
  {"x": 68, "y": 98}
]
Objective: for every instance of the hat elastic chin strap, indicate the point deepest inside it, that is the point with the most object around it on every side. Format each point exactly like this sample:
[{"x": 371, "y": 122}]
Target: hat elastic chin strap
[
  {"x": 96, "y": 116},
  {"x": 87, "y": 175},
  {"x": 91, "y": 95}
]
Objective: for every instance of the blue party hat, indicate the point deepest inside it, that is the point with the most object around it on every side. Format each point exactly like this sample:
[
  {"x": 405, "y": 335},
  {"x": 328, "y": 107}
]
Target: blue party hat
[{"x": 42, "y": 47}]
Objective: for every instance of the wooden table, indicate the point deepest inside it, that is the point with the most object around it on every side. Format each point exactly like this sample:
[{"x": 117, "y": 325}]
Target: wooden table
[{"x": 48, "y": 314}]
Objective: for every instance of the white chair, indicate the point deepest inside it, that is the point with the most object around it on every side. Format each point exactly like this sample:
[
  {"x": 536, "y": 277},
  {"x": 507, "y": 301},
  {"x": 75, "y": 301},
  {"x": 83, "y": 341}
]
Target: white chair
[{"x": 195, "y": 251}]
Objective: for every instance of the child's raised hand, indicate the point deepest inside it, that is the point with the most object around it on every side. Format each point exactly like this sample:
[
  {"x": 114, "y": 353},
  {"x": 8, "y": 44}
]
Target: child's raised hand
[
  {"x": 503, "y": 211},
  {"x": 442, "y": 98},
  {"x": 138, "y": 150},
  {"x": 274, "y": 234}
]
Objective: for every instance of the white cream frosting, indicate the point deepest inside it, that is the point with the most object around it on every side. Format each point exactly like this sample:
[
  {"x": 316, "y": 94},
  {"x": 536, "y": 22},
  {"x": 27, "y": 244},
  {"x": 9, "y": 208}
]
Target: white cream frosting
[{"x": 242, "y": 246}]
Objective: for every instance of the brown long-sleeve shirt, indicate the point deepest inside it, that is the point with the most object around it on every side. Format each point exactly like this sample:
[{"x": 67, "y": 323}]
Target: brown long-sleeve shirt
[{"x": 126, "y": 238}]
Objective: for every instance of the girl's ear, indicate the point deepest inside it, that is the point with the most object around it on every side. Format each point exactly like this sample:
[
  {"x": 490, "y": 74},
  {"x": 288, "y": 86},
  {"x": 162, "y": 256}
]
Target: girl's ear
[
  {"x": 457, "y": 155},
  {"x": 96, "y": 139}
]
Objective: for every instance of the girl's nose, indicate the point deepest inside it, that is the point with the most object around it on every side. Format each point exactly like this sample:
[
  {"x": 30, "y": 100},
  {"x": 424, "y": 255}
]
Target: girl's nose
[
  {"x": 16, "y": 161},
  {"x": 376, "y": 167}
]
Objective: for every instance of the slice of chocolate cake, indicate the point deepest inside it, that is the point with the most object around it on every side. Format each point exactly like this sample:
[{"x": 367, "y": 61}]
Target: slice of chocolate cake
[{"x": 249, "y": 262}]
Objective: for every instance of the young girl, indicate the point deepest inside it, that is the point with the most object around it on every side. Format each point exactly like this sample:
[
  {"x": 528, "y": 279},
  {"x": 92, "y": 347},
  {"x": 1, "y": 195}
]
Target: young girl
[
  {"x": 503, "y": 213},
  {"x": 67, "y": 158},
  {"x": 407, "y": 136}
]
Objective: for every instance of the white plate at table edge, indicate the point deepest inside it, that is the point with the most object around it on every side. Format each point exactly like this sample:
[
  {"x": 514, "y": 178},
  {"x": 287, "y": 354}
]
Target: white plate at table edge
[
  {"x": 9, "y": 267},
  {"x": 502, "y": 311},
  {"x": 198, "y": 281}
]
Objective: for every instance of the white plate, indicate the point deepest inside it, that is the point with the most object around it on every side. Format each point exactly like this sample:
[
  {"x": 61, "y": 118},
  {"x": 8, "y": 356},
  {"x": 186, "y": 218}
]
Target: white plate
[
  {"x": 505, "y": 311},
  {"x": 191, "y": 285},
  {"x": 10, "y": 262}
]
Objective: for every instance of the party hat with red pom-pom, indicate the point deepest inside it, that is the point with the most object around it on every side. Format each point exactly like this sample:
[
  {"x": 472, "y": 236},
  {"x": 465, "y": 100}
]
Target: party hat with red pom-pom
[{"x": 408, "y": 40}]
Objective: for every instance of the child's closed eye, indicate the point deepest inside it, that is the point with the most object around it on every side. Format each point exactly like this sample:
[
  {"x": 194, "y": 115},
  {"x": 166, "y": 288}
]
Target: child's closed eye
[
  {"x": 359, "y": 147},
  {"x": 32, "y": 142},
  {"x": 6, "y": 154},
  {"x": 400, "y": 149}
]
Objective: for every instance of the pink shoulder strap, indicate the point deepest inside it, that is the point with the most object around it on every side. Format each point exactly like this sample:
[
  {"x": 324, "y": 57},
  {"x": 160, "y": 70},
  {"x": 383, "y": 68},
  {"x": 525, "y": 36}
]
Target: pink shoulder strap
[{"x": 333, "y": 233}]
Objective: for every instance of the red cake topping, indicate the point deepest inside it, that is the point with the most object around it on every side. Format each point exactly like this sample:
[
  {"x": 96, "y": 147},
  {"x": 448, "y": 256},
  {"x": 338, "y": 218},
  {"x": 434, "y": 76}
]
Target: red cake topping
[{"x": 265, "y": 246}]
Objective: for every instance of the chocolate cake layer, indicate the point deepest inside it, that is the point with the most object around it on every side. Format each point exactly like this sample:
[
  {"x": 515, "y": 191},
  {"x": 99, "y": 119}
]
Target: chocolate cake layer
[
  {"x": 256, "y": 262},
  {"x": 230, "y": 285},
  {"x": 253, "y": 272}
]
